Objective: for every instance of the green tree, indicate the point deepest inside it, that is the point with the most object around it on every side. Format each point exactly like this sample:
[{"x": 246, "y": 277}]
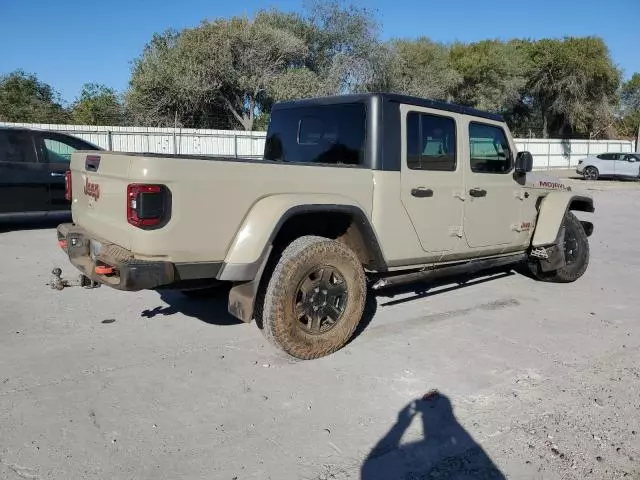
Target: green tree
[
  {"x": 230, "y": 71},
  {"x": 97, "y": 105},
  {"x": 573, "y": 83},
  {"x": 225, "y": 65},
  {"x": 493, "y": 74},
  {"x": 24, "y": 98},
  {"x": 422, "y": 68},
  {"x": 344, "y": 53},
  {"x": 629, "y": 120},
  {"x": 630, "y": 93}
]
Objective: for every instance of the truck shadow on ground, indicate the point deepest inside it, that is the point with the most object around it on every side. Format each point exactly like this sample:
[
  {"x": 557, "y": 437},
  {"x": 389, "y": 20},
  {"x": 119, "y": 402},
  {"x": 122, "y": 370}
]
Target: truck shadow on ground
[
  {"x": 446, "y": 449},
  {"x": 31, "y": 224},
  {"x": 211, "y": 306}
]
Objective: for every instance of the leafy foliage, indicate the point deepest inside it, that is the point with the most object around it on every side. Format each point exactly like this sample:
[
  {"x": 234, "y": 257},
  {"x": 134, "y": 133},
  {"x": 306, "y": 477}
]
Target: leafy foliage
[
  {"x": 97, "y": 105},
  {"x": 573, "y": 82},
  {"x": 235, "y": 68},
  {"x": 493, "y": 74},
  {"x": 422, "y": 68},
  {"x": 24, "y": 98},
  {"x": 629, "y": 121}
]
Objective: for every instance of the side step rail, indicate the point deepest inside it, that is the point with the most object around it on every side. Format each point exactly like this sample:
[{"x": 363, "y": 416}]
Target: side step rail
[{"x": 470, "y": 267}]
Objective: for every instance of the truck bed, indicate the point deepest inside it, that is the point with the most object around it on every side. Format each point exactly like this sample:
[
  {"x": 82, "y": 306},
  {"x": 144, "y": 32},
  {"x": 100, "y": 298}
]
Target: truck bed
[{"x": 209, "y": 197}]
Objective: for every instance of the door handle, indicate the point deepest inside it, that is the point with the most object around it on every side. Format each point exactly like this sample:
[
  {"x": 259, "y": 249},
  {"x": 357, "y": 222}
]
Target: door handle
[
  {"x": 422, "y": 192},
  {"x": 56, "y": 174},
  {"x": 477, "y": 192}
]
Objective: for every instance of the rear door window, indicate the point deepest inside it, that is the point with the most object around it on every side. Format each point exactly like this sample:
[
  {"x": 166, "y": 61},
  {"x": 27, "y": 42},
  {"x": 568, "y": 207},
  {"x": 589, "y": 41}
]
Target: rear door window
[
  {"x": 431, "y": 142},
  {"x": 324, "y": 134},
  {"x": 16, "y": 147}
]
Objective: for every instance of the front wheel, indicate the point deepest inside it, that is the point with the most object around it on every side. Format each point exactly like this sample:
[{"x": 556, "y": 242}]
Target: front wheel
[
  {"x": 591, "y": 173},
  {"x": 576, "y": 254},
  {"x": 314, "y": 299}
]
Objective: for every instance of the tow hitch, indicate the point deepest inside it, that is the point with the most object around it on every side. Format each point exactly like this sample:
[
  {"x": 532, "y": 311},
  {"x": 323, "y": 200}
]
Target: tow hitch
[{"x": 59, "y": 283}]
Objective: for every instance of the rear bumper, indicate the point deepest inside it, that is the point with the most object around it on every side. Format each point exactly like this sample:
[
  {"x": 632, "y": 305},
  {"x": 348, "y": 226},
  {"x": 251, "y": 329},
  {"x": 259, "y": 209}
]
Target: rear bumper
[{"x": 125, "y": 272}]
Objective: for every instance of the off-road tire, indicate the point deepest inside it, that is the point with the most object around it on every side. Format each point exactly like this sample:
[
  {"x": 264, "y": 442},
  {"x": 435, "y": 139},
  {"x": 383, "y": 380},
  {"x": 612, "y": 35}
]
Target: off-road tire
[
  {"x": 568, "y": 273},
  {"x": 593, "y": 176},
  {"x": 276, "y": 314}
]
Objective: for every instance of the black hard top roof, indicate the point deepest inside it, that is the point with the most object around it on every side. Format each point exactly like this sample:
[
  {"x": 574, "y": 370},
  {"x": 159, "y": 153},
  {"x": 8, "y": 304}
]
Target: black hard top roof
[{"x": 390, "y": 97}]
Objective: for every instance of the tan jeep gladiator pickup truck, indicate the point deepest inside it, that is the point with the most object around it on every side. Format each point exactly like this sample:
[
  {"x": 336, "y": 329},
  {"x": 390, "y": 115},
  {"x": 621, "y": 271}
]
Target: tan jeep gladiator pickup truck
[{"x": 354, "y": 193}]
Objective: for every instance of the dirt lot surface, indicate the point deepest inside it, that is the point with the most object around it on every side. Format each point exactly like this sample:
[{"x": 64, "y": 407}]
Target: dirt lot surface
[{"x": 523, "y": 380}]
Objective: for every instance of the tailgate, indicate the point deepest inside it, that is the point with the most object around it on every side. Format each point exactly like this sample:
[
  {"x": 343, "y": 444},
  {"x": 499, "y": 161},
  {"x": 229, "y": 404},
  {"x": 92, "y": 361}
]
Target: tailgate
[{"x": 99, "y": 194}]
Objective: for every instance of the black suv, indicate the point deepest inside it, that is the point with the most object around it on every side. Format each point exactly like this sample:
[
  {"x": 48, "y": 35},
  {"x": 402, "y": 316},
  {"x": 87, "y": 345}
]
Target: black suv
[{"x": 32, "y": 171}]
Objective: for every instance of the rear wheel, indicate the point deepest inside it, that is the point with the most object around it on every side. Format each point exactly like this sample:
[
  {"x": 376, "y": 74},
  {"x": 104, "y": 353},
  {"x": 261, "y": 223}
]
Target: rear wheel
[
  {"x": 314, "y": 299},
  {"x": 591, "y": 173},
  {"x": 576, "y": 254}
]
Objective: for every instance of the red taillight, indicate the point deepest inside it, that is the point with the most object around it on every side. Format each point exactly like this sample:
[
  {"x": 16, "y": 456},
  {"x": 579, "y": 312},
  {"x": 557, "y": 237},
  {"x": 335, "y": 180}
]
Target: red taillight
[
  {"x": 67, "y": 185},
  {"x": 146, "y": 205},
  {"x": 62, "y": 243}
]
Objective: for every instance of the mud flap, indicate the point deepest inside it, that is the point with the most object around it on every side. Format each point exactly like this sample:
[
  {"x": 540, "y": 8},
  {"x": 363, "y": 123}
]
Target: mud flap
[
  {"x": 555, "y": 254},
  {"x": 242, "y": 296}
]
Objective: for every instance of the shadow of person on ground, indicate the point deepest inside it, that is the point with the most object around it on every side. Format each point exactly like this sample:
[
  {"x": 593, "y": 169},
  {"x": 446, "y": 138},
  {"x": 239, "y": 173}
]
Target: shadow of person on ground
[{"x": 446, "y": 450}]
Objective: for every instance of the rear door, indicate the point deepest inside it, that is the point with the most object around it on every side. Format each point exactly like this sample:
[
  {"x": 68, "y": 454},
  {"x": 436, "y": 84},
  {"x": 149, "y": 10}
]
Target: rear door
[
  {"x": 606, "y": 163},
  {"x": 24, "y": 182},
  {"x": 56, "y": 150},
  {"x": 627, "y": 165},
  {"x": 431, "y": 177},
  {"x": 492, "y": 208}
]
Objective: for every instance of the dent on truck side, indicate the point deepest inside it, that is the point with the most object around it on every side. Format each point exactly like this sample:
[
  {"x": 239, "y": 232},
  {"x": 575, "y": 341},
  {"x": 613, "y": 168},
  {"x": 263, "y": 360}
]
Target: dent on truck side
[
  {"x": 552, "y": 210},
  {"x": 251, "y": 244}
]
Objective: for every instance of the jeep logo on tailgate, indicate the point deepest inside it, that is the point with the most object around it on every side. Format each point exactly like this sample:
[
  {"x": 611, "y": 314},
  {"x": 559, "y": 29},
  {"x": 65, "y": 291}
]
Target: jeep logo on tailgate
[{"x": 91, "y": 189}]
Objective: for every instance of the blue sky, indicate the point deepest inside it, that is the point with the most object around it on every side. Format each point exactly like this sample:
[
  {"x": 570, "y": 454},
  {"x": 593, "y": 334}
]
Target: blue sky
[{"x": 70, "y": 42}]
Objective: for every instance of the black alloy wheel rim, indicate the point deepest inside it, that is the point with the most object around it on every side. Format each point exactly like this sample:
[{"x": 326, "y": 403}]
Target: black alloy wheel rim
[{"x": 321, "y": 300}]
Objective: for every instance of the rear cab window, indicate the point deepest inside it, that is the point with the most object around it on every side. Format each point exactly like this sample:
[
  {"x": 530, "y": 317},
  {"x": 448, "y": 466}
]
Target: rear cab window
[
  {"x": 323, "y": 134},
  {"x": 489, "y": 149}
]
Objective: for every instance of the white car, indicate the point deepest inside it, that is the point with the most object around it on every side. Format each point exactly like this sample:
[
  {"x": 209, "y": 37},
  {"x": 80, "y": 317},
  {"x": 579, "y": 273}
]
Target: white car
[{"x": 610, "y": 165}]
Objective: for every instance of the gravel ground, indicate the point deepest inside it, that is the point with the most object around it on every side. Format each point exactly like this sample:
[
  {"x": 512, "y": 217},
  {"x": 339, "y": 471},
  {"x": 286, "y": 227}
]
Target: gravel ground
[{"x": 504, "y": 377}]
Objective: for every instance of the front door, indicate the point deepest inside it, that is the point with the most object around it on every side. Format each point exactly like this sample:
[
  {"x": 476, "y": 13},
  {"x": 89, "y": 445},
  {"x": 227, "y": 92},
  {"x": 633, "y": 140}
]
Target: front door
[
  {"x": 431, "y": 178},
  {"x": 24, "y": 182},
  {"x": 627, "y": 165},
  {"x": 492, "y": 207}
]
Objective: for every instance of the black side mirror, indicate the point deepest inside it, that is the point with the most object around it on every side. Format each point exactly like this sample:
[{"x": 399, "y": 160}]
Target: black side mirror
[{"x": 524, "y": 162}]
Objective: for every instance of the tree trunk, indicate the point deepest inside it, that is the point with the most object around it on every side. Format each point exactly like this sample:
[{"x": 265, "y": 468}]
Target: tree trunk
[
  {"x": 246, "y": 121},
  {"x": 545, "y": 126}
]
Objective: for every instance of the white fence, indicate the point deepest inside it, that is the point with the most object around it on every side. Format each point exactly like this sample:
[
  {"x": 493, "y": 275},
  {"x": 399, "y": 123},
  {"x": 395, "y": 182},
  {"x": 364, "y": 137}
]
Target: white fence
[
  {"x": 547, "y": 154},
  {"x": 187, "y": 141},
  {"x": 552, "y": 154}
]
